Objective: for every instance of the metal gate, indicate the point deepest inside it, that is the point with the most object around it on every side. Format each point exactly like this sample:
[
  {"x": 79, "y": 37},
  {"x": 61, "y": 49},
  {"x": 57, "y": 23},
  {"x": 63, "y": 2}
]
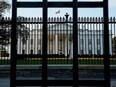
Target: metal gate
[{"x": 45, "y": 82}]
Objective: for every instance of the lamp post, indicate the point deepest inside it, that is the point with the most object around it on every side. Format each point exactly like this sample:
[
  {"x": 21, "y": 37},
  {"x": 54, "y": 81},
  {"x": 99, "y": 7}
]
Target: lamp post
[{"x": 67, "y": 15}]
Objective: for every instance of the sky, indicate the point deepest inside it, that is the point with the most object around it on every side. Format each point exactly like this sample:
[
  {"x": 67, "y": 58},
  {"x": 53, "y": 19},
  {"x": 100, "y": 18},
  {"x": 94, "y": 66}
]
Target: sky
[{"x": 82, "y": 12}]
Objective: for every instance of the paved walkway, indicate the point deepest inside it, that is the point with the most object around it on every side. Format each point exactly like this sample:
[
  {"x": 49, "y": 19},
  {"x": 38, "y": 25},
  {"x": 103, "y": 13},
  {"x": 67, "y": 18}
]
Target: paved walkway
[{"x": 6, "y": 83}]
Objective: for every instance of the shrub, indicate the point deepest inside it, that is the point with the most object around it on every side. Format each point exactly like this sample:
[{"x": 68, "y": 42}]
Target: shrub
[{"x": 4, "y": 54}]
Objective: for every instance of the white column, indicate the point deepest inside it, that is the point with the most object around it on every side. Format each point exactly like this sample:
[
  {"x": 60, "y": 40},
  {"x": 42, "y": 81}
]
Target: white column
[
  {"x": 71, "y": 51},
  {"x": 27, "y": 47},
  {"x": 110, "y": 43},
  {"x": 87, "y": 47},
  {"x": 66, "y": 46},
  {"x": 9, "y": 50},
  {"x": 56, "y": 41},
  {"x": 92, "y": 36},
  {"x": 36, "y": 45},
  {"x": 54, "y": 44},
  {"x": 101, "y": 43},
  {"x": 95, "y": 43},
  {"x": 84, "y": 44},
  {"x": 18, "y": 46}
]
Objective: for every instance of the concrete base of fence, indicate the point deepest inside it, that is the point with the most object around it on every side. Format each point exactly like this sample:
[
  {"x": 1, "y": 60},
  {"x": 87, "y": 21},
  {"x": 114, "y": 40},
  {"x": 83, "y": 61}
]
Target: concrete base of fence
[{"x": 65, "y": 66}]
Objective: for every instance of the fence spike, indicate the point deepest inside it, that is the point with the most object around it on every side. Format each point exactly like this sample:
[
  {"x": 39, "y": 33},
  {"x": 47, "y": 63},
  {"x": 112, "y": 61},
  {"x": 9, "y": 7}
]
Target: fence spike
[
  {"x": 60, "y": 19},
  {"x": 34, "y": 19},
  {"x": 102, "y": 19},
  {"x": 29, "y": 19},
  {"x": 110, "y": 19},
  {"x": 81, "y": 19},
  {"x": 9, "y": 18},
  {"x": 85, "y": 20},
  {"x": 49, "y": 19},
  {"x": 63, "y": 19},
  {"x": 26, "y": 19},
  {"x": 93, "y": 19},
  {"x": 57, "y": 19},
  {"x": 98, "y": 19},
  {"x": 38, "y": 19},
  {"x": 69, "y": 19},
  {"x": 52, "y": 19},
  {"x": 88, "y": 19},
  {"x": 113, "y": 19}
]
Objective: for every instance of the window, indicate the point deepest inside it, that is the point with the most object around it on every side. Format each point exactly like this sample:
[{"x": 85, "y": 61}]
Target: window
[
  {"x": 23, "y": 51},
  {"x": 70, "y": 39},
  {"x": 50, "y": 42},
  {"x": 81, "y": 41},
  {"x": 90, "y": 51},
  {"x": 31, "y": 41},
  {"x": 31, "y": 51},
  {"x": 81, "y": 51},
  {"x": 98, "y": 52},
  {"x": 51, "y": 46},
  {"x": 90, "y": 41},
  {"x": 61, "y": 44},
  {"x": 98, "y": 41},
  {"x": 39, "y": 41}
]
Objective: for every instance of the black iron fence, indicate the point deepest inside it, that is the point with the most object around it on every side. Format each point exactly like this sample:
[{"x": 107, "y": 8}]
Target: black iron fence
[{"x": 60, "y": 40}]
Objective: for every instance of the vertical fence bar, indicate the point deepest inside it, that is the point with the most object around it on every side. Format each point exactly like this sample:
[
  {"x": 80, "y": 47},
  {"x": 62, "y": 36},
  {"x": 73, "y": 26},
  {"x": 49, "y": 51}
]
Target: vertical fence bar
[
  {"x": 82, "y": 50},
  {"x": 44, "y": 48},
  {"x": 99, "y": 34},
  {"x": 97, "y": 38},
  {"x": 93, "y": 19},
  {"x": 34, "y": 36},
  {"x": 106, "y": 46},
  {"x": 41, "y": 33},
  {"x": 8, "y": 42},
  {"x": 75, "y": 45},
  {"x": 67, "y": 34},
  {"x": 57, "y": 30},
  {"x": 114, "y": 40},
  {"x": 13, "y": 44},
  {"x": 85, "y": 36},
  {"x": 38, "y": 37},
  {"x": 52, "y": 37}
]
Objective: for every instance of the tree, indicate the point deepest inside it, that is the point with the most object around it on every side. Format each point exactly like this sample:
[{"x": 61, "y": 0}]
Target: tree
[
  {"x": 114, "y": 45},
  {"x": 5, "y": 27},
  {"x": 4, "y": 6}
]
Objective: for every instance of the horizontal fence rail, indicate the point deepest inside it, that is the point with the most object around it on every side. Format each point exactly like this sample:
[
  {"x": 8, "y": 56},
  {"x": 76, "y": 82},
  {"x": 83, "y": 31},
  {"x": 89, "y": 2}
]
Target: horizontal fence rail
[{"x": 59, "y": 38}]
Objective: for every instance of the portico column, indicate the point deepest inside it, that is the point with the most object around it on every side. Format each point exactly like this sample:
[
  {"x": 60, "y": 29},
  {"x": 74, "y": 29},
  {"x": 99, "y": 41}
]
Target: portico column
[
  {"x": 66, "y": 47},
  {"x": 56, "y": 41},
  {"x": 9, "y": 50}
]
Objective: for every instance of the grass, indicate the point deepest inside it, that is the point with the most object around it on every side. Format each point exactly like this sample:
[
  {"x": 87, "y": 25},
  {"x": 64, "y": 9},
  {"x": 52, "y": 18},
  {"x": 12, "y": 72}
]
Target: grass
[{"x": 35, "y": 61}]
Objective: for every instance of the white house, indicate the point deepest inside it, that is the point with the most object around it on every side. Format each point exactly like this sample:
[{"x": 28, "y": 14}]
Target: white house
[{"x": 60, "y": 41}]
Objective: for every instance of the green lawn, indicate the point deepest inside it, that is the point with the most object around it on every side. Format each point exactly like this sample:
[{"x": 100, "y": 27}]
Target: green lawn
[{"x": 36, "y": 61}]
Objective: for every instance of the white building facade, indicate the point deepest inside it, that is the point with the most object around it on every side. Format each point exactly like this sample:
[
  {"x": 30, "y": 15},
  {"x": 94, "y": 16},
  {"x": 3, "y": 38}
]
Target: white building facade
[{"x": 60, "y": 41}]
